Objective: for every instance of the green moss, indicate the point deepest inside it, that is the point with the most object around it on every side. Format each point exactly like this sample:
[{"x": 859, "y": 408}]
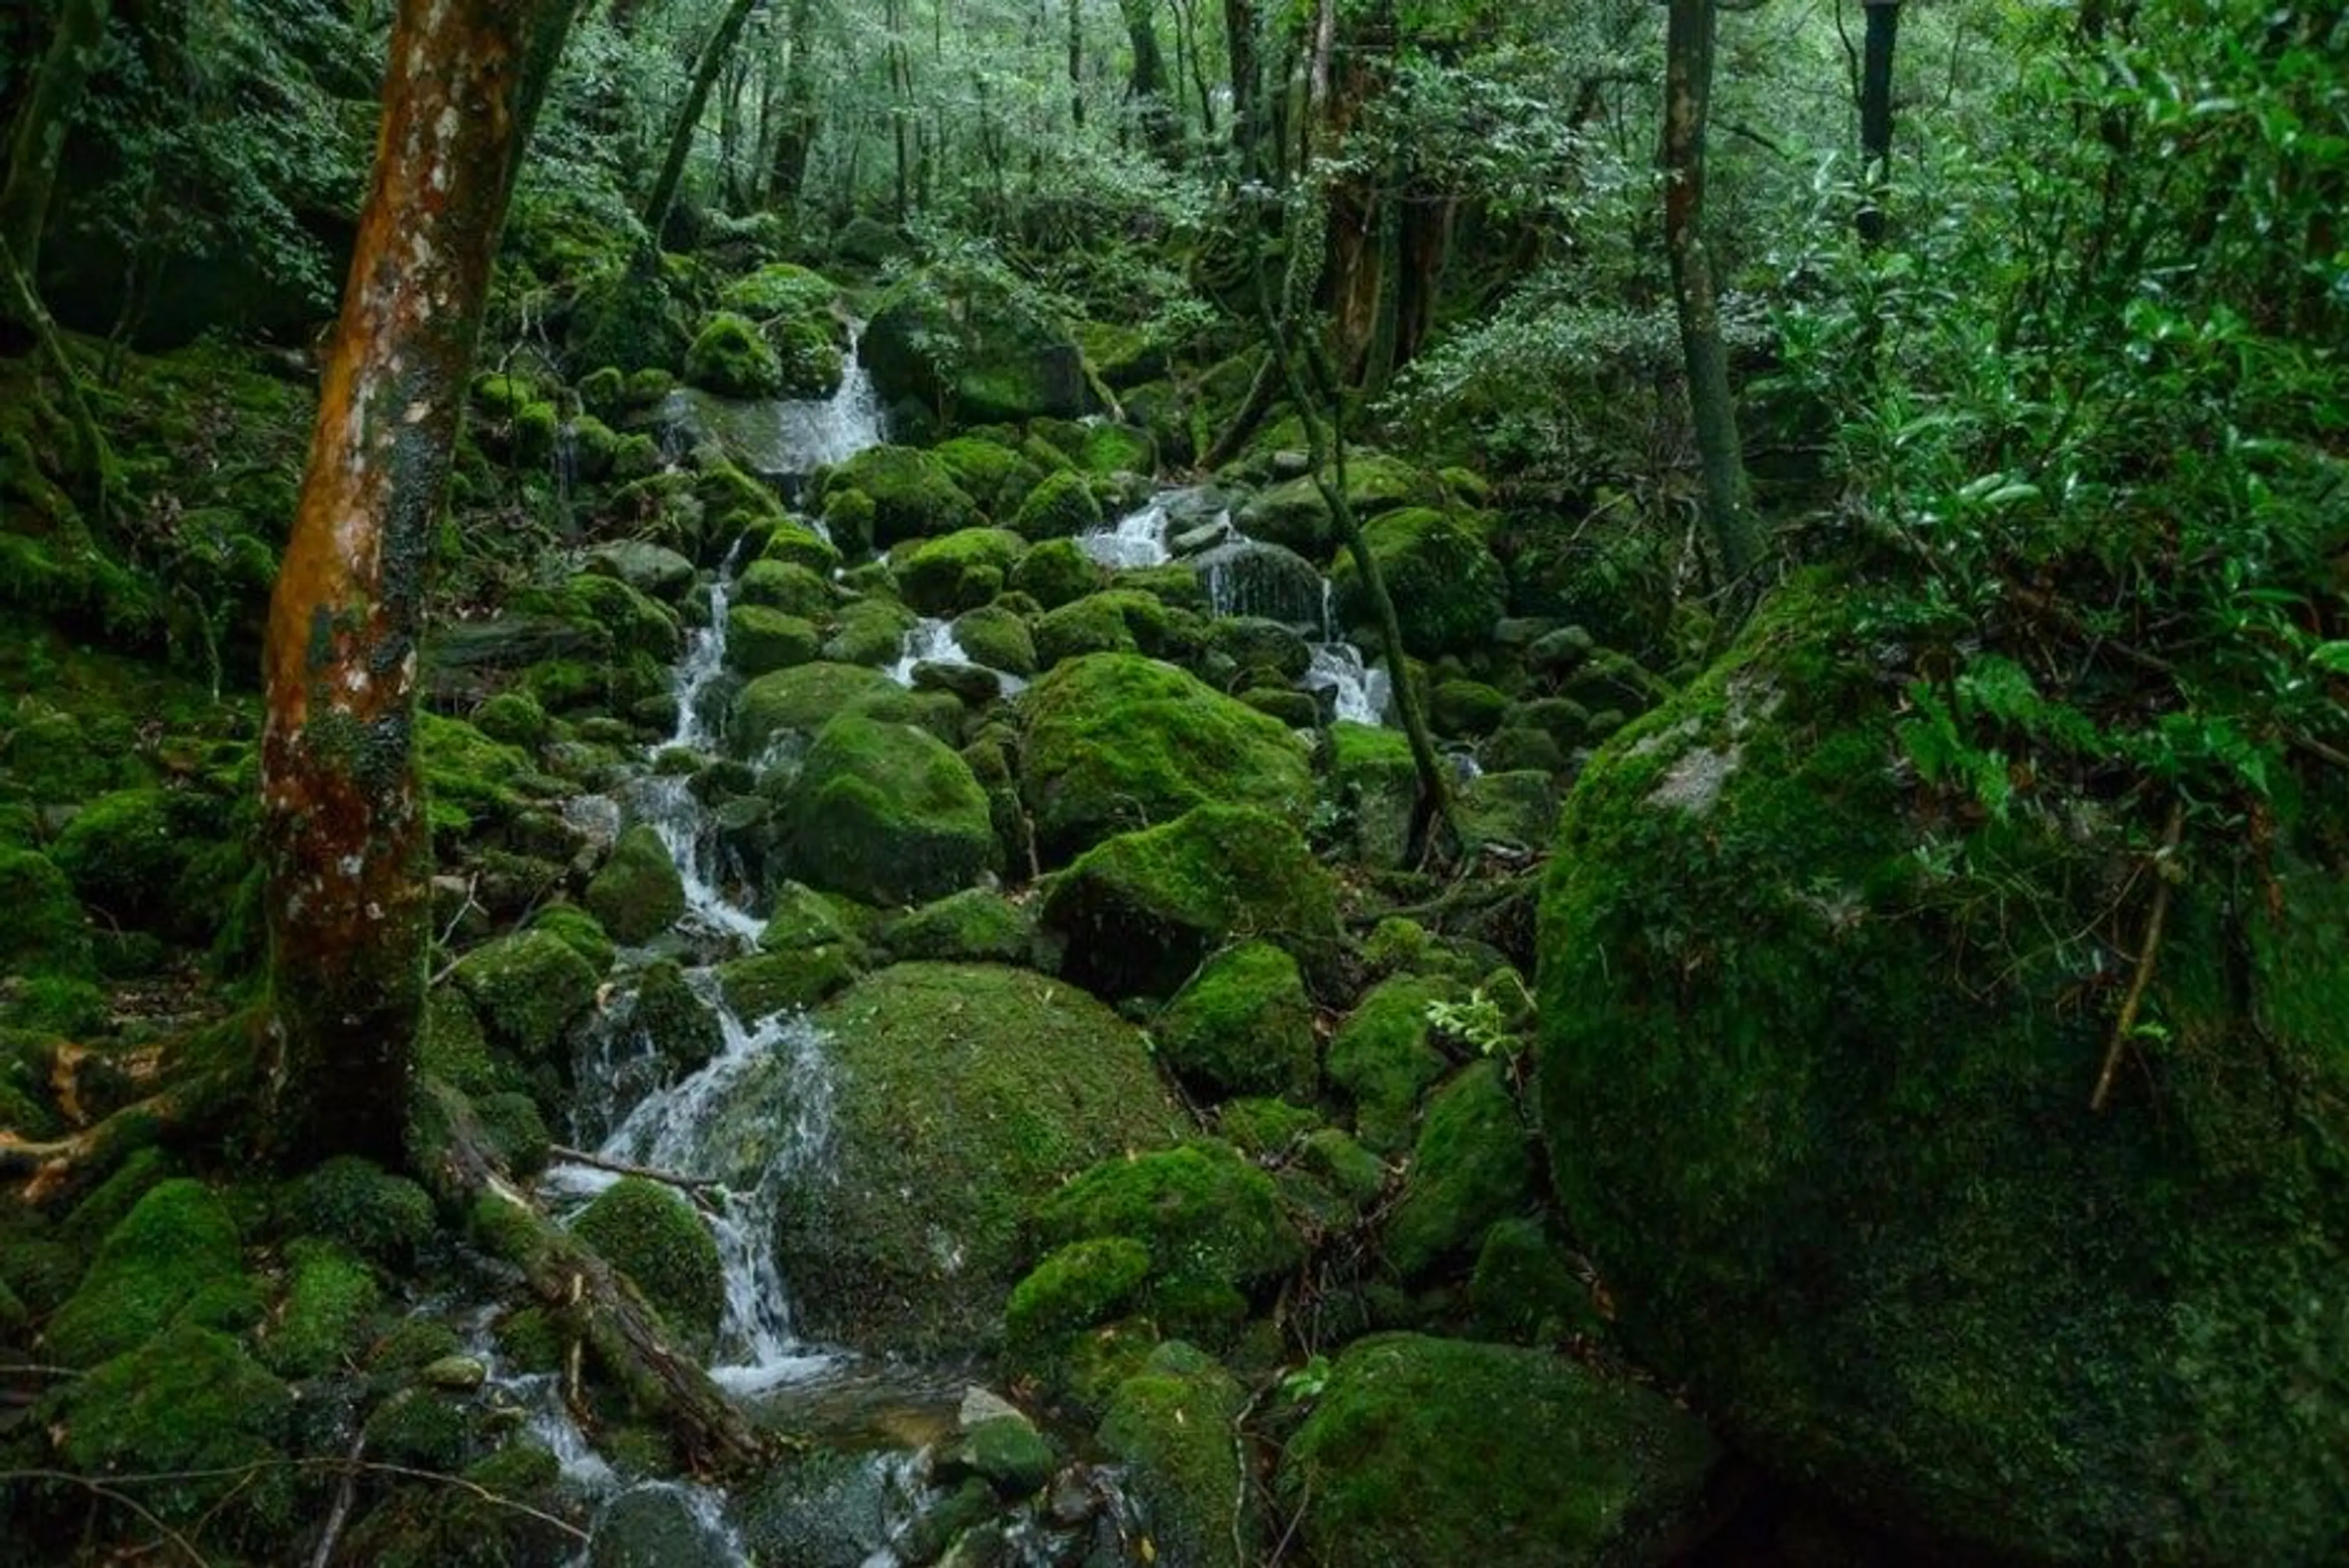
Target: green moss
[
  {"x": 870, "y": 631},
  {"x": 1138, "y": 913},
  {"x": 1209, "y": 1217},
  {"x": 672, "y": 1019},
  {"x": 192, "y": 1409},
  {"x": 1428, "y": 1453},
  {"x": 359, "y": 1204},
  {"x": 887, "y": 814},
  {"x": 1061, "y": 507},
  {"x": 803, "y": 699},
  {"x": 730, "y": 358},
  {"x": 1782, "y": 1009},
  {"x": 652, "y": 1234},
  {"x": 1057, "y": 573},
  {"x": 765, "y": 984},
  {"x": 1526, "y": 1289},
  {"x": 1006, "y": 1451},
  {"x": 1243, "y": 1025},
  {"x": 1264, "y": 1128},
  {"x": 971, "y": 349},
  {"x": 781, "y": 289},
  {"x": 177, "y": 1247},
  {"x": 1471, "y": 1165},
  {"x": 527, "y": 989},
  {"x": 422, "y": 1428},
  {"x": 111, "y": 1201},
  {"x": 413, "y": 1343},
  {"x": 1466, "y": 709},
  {"x": 976, "y": 925},
  {"x": 759, "y": 640},
  {"x": 959, "y": 572},
  {"x": 126, "y": 854},
  {"x": 913, "y": 494},
  {"x": 1118, "y": 621},
  {"x": 328, "y": 1302},
  {"x": 637, "y": 892},
  {"x": 1448, "y": 588},
  {"x": 1382, "y": 1059},
  {"x": 996, "y": 635},
  {"x": 963, "y": 1094},
  {"x": 787, "y": 586},
  {"x": 1074, "y": 1287},
  {"x": 997, "y": 474},
  {"x": 578, "y": 931},
  {"x": 1175, "y": 1426},
  {"x": 1114, "y": 741}
]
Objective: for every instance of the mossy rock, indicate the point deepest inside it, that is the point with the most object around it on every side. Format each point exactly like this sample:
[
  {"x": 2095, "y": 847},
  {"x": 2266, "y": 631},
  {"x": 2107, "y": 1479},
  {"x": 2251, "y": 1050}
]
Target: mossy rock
[
  {"x": 1212, "y": 1220},
  {"x": 869, "y": 632},
  {"x": 580, "y": 932},
  {"x": 358, "y": 1204},
  {"x": 962, "y": 1095},
  {"x": 1137, "y": 914},
  {"x": 781, "y": 289},
  {"x": 527, "y": 989},
  {"x": 976, "y": 925},
  {"x": 996, "y": 635},
  {"x": 670, "y": 1017},
  {"x": 46, "y": 931},
  {"x": 959, "y": 572},
  {"x": 1447, "y": 587},
  {"x": 1061, "y": 506},
  {"x": 1782, "y": 1009},
  {"x": 330, "y": 1298},
  {"x": 1243, "y": 1026},
  {"x": 913, "y": 494},
  {"x": 650, "y": 1233},
  {"x": 1524, "y": 1287},
  {"x": 1472, "y": 1166},
  {"x": 1073, "y": 1287},
  {"x": 1518, "y": 808},
  {"x": 765, "y": 984},
  {"x": 787, "y": 586},
  {"x": 1469, "y": 709},
  {"x": 1175, "y": 1427},
  {"x": 1114, "y": 741},
  {"x": 802, "y": 700},
  {"x": 886, "y": 813},
  {"x": 969, "y": 348},
  {"x": 128, "y": 855},
  {"x": 997, "y": 474},
  {"x": 190, "y": 1409},
  {"x": 1292, "y": 515},
  {"x": 1118, "y": 621},
  {"x": 759, "y": 641},
  {"x": 1006, "y": 1451},
  {"x": 1255, "y": 642},
  {"x": 177, "y": 1253},
  {"x": 1383, "y": 1058},
  {"x": 638, "y": 893},
  {"x": 732, "y": 358},
  {"x": 795, "y": 544},
  {"x": 1057, "y": 573},
  {"x": 1429, "y": 1453}
]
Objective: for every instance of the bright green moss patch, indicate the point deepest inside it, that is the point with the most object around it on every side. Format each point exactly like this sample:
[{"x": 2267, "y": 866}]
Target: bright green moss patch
[
  {"x": 1212, "y": 1220},
  {"x": 189, "y": 1406},
  {"x": 1447, "y": 587},
  {"x": 1074, "y": 1287},
  {"x": 1175, "y": 1426},
  {"x": 637, "y": 892},
  {"x": 910, "y": 494},
  {"x": 528, "y": 988},
  {"x": 1383, "y": 1057},
  {"x": 1244, "y": 1025},
  {"x": 652, "y": 1234},
  {"x": 357, "y": 1204},
  {"x": 887, "y": 814},
  {"x": 329, "y": 1298},
  {"x": 178, "y": 1248},
  {"x": 1471, "y": 1165}
]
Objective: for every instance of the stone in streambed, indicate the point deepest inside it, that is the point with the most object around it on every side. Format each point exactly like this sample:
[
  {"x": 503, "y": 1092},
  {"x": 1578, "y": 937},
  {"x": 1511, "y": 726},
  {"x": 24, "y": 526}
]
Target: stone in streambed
[
  {"x": 887, "y": 814},
  {"x": 639, "y": 893}
]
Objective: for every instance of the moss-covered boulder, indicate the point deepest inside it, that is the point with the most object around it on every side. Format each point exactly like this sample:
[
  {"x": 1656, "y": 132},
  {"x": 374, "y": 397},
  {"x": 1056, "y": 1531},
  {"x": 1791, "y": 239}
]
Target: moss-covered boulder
[
  {"x": 1472, "y": 1166},
  {"x": 1243, "y": 1026},
  {"x": 870, "y": 631},
  {"x": 1057, "y": 573},
  {"x": 1073, "y": 1287},
  {"x": 638, "y": 893},
  {"x": 1118, "y": 621},
  {"x": 1384, "y": 1058},
  {"x": 802, "y": 700},
  {"x": 787, "y": 586},
  {"x": 193, "y": 1412},
  {"x": 175, "y": 1255},
  {"x": 1429, "y": 1453},
  {"x": 886, "y": 813},
  {"x": 1061, "y": 507},
  {"x": 1448, "y": 588},
  {"x": 358, "y": 1204},
  {"x": 961, "y": 1095},
  {"x": 126, "y": 854},
  {"x": 527, "y": 989},
  {"x": 732, "y": 358},
  {"x": 1175, "y": 1426},
  {"x": 46, "y": 931},
  {"x": 970, "y": 349},
  {"x": 1370, "y": 788},
  {"x": 996, "y": 635},
  {"x": 960, "y": 572},
  {"x": 992, "y": 469},
  {"x": 330, "y": 1297},
  {"x": 650, "y": 1233},
  {"x": 1115, "y": 741},
  {"x": 1822, "y": 1040},
  {"x": 976, "y": 925},
  {"x": 1136, "y": 915},
  {"x": 759, "y": 641},
  {"x": 911, "y": 494}
]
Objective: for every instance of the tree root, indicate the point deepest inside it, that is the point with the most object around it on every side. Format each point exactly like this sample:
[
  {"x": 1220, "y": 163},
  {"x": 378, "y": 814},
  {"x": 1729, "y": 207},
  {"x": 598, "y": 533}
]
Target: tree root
[
  {"x": 2125, "y": 1025},
  {"x": 600, "y": 1308}
]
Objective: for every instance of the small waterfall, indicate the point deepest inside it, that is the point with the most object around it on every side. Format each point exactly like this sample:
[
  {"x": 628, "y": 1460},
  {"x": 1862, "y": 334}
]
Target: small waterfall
[
  {"x": 704, "y": 661},
  {"x": 930, "y": 642},
  {"x": 813, "y": 434},
  {"x": 1247, "y": 577},
  {"x": 1137, "y": 539},
  {"x": 1359, "y": 695}
]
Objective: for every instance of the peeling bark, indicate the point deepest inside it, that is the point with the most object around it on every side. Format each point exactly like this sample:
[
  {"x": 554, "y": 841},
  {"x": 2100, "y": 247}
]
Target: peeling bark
[{"x": 343, "y": 818}]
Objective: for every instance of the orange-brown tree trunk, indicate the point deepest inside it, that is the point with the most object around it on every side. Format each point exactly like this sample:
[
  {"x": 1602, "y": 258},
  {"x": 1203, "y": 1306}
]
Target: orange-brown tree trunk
[{"x": 342, "y": 803}]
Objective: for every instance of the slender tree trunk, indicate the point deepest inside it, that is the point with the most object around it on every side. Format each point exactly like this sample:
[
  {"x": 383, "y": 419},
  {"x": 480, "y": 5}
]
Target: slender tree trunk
[
  {"x": 1247, "y": 128},
  {"x": 1076, "y": 65},
  {"x": 38, "y": 145},
  {"x": 342, "y": 820},
  {"x": 688, "y": 119},
  {"x": 1146, "y": 86},
  {"x": 1688, "y": 86},
  {"x": 1875, "y": 117},
  {"x": 788, "y": 173}
]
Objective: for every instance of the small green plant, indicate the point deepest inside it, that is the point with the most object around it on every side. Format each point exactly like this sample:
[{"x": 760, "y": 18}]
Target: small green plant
[
  {"x": 1307, "y": 1382},
  {"x": 1478, "y": 1022}
]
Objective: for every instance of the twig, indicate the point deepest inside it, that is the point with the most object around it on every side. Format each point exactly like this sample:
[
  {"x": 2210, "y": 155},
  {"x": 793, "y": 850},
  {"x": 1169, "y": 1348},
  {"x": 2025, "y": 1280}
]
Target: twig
[
  {"x": 2126, "y": 1022},
  {"x": 97, "y": 1489},
  {"x": 341, "y": 1512},
  {"x": 693, "y": 1184}
]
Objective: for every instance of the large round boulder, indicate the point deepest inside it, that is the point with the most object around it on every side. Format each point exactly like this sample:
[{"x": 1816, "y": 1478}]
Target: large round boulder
[
  {"x": 887, "y": 814},
  {"x": 1116, "y": 741},
  {"x": 973, "y": 352},
  {"x": 1447, "y": 586},
  {"x": 961, "y": 1095},
  {"x": 1817, "y": 1066}
]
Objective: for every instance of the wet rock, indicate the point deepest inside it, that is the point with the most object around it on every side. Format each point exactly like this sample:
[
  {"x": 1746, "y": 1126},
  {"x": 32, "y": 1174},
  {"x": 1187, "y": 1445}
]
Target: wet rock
[
  {"x": 652, "y": 569},
  {"x": 639, "y": 893},
  {"x": 1006, "y": 1451},
  {"x": 886, "y": 813},
  {"x": 456, "y": 1373},
  {"x": 1243, "y": 1025},
  {"x": 1175, "y": 1426},
  {"x": 659, "y": 1525}
]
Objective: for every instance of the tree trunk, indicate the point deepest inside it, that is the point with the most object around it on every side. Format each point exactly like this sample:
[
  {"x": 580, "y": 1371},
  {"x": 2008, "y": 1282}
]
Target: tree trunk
[
  {"x": 1875, "y": 117},
  {"x": 39, "y": 142},
  {"x": 1147, "y": 85},
  {"x": 788, "y": 173},
  {"x": 1076, "y": 66},
  {"x": 1688, "y": 86},
  {"x": 688, "y": 118},
  {"x": 1248, "y": 129},
  {"x": 343, "y": 822}
]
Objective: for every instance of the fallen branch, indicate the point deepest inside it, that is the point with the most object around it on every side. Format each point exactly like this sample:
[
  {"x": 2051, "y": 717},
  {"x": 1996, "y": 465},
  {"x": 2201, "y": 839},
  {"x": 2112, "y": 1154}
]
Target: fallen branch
[
  {"x": 693, "y": 1186},
  {"x": 2125, "y": 1024}
]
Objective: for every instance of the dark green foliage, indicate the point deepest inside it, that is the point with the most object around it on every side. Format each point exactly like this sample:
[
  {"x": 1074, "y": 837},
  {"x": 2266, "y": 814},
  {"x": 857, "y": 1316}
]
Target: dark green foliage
[
  {"x": 651, "y": 1233},
  {"x": 1446, "y": 585},
  {"x": 359, "y": 1204},
  {"x": 1429, "y": 1453}
]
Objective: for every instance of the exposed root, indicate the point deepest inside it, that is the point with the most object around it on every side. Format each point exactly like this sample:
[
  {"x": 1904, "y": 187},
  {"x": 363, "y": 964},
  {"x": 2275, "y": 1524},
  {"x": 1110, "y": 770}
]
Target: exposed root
[{"x": 2125, "y": 1025}]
